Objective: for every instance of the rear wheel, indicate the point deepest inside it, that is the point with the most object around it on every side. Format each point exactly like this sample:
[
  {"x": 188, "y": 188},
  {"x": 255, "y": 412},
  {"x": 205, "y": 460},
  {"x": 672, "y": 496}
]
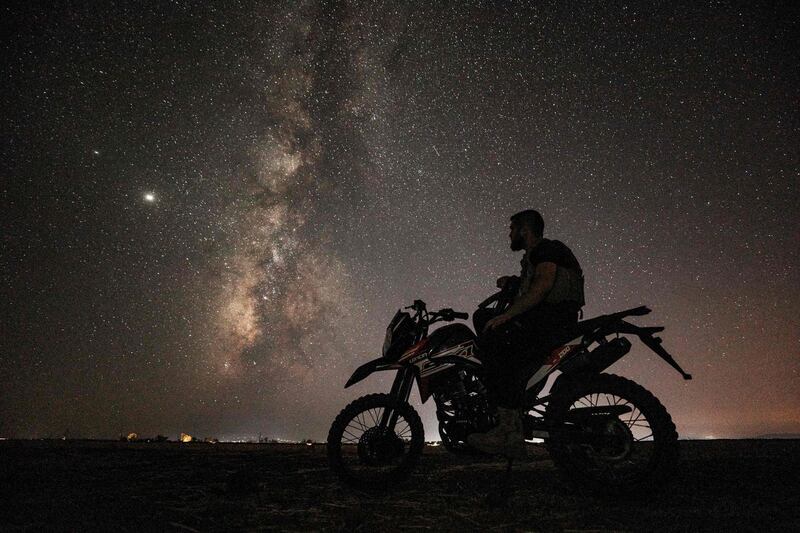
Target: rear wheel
[
  {"x": 610, "y": 434},
  {"x": 369, "y": 454}
]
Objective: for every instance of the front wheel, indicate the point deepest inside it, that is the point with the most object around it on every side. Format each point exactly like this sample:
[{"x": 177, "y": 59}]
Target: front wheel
[
  {"x": 610, "y": 434},
  {"x": 375, "y": 442}
]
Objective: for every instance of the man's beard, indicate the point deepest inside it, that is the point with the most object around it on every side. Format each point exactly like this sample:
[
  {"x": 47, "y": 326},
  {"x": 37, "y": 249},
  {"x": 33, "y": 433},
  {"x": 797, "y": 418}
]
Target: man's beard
[{"x": 517, "y": 244}]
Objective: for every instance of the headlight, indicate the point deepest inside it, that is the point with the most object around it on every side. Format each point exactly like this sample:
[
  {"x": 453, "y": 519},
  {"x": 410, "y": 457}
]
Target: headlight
[
  {"x": 387, "y": 340},
  {"x": 399, "y": 334}
]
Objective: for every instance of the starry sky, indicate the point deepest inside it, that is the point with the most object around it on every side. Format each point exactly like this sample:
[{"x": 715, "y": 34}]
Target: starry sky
[{"x": 212, "y": 211}]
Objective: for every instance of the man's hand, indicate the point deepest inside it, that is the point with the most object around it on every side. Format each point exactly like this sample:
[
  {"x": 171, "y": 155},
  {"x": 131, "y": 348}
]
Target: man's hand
[
  {"x": 496, "y": 322},
  {"x": 502, "y": 281}
]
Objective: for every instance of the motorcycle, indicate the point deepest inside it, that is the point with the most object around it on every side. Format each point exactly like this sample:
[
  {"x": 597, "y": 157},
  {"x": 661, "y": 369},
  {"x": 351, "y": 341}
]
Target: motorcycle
[{"x": 602, "y": 431}]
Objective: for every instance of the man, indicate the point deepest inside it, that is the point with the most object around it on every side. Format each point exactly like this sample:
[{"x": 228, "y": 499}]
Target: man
[{"x": 543, "y": 315}]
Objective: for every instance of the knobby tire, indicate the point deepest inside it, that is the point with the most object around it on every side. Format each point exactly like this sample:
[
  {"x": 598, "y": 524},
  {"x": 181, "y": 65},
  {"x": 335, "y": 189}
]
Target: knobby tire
[
  {"x": 662, "y": 459},
  {"x": 370, "y": 481}
]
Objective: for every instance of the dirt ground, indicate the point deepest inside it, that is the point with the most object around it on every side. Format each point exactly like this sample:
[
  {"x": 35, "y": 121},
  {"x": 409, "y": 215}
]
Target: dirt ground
[{"x": 79, "y": 486}]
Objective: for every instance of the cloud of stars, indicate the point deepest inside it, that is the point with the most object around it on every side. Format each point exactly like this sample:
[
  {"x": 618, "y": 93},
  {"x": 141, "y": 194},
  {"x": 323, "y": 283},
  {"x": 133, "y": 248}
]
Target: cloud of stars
[{"x": 215, "y": 210}]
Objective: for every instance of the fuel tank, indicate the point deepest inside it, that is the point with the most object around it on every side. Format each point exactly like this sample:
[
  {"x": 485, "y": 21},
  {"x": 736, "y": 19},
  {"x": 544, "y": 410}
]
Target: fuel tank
[{"x": 448, "y": 336}]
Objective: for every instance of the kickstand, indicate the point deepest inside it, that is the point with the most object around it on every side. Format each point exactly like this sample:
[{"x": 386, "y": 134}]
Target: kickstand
[{"x": 499, "y": 498}]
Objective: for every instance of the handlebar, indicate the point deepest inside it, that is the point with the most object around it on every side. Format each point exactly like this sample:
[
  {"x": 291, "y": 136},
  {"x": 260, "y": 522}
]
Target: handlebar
[
  {"x": 446, "y": 314},
  {"x": 503, "y": 297},
  {"x": 417, "y": 306}
]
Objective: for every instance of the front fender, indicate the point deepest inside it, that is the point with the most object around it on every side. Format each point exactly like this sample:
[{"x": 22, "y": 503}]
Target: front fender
[{"x": 376, "y": 365}]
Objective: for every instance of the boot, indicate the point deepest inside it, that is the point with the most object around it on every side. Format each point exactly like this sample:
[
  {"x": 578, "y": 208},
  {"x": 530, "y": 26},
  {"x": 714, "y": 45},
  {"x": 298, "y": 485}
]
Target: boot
[{"x": 506, "y": 438}]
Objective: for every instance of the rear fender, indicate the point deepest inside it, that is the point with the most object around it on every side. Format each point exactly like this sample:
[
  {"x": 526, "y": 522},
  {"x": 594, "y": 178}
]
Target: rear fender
[
  {"x": 376, "y": 365},
  {"x": 645, "y": 334}
]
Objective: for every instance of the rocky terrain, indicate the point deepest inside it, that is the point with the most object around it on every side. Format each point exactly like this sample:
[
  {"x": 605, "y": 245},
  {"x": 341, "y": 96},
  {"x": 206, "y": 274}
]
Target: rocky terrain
[{"x": 90, "y": 485}]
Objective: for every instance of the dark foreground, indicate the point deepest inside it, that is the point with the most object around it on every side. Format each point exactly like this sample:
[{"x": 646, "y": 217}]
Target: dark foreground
[{"x": 78, "y": 486}]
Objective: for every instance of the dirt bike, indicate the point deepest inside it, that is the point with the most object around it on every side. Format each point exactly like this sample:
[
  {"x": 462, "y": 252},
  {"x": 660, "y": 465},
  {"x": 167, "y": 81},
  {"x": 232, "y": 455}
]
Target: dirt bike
[{"x": 602, "y": 431}]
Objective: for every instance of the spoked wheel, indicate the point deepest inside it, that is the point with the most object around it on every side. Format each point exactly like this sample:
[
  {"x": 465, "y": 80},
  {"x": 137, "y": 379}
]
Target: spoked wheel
[
  {"x": 375, "y": 442},
  {"x": 610, "y": 434}
]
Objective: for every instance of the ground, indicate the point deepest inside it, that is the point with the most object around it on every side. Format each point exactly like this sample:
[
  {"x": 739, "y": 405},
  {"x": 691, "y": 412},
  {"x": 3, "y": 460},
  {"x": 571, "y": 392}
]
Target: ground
[{"x": 88, "y": 485}]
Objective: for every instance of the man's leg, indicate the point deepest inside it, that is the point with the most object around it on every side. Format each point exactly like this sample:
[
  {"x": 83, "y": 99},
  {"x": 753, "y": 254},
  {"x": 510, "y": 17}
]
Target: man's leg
[
  {"x": 505, "y": 352},
  {"x": 503, "y": 356}
]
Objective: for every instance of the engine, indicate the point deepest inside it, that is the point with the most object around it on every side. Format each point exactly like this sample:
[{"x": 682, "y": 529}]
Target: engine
[{"x": 462, "y": 408}]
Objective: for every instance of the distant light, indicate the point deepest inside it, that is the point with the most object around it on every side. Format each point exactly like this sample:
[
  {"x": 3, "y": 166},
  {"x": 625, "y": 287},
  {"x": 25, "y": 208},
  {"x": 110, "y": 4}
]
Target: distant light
[
  {"x": 96, "y": 152},
  {"x": 149, "y": 197}
]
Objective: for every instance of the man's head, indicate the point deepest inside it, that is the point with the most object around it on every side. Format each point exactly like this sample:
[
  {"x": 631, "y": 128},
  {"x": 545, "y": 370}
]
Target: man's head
[{"x": 527, "y": 228}]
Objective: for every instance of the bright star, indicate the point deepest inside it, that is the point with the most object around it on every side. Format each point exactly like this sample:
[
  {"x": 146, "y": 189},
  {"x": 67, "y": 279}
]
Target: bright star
[{"x": 149, "y": 197}]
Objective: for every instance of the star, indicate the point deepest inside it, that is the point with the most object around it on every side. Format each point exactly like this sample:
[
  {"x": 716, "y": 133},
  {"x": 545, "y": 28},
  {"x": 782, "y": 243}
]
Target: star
[{"x": 336, "y": 164}]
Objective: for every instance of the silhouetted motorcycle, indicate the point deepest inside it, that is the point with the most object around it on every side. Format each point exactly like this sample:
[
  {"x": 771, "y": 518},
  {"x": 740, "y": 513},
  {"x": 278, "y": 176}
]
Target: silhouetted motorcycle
[{"x": 602, "y": 431}]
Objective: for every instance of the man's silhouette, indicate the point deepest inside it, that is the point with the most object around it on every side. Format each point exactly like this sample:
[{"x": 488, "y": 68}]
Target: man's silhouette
[{"x": 544, "y": 314}]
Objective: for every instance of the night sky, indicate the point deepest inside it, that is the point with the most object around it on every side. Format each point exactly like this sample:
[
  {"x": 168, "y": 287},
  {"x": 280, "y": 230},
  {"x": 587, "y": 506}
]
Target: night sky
[{"x": 211, "y": 212}]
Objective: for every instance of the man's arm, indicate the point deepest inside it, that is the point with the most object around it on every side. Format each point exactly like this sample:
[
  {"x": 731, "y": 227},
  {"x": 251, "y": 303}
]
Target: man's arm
[
  {"x": 543, "y": 279},
  {"x": 505, "y": 280}
]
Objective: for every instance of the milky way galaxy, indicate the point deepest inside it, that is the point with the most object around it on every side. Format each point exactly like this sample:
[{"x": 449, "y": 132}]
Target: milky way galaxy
[{"x": 215, "y": 210}]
